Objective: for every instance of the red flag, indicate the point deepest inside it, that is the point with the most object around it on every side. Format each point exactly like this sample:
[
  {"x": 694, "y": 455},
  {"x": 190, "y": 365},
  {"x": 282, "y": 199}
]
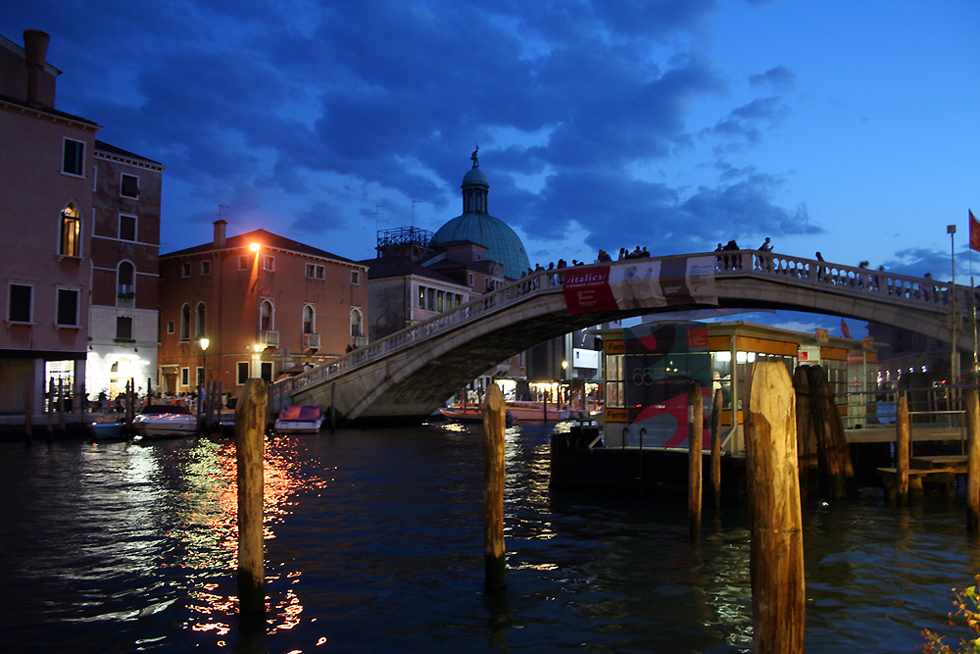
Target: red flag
[
  {"x": 974, "y": 232},
  {"x": 843, "y": 328}
]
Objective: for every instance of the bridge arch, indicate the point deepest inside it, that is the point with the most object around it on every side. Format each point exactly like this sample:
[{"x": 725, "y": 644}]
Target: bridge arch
[{"x": 409, "y": 374}]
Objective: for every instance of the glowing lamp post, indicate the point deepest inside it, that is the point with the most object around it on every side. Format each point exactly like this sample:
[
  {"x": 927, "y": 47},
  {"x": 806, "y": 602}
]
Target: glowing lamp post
[{"x": 204, "y": 343}]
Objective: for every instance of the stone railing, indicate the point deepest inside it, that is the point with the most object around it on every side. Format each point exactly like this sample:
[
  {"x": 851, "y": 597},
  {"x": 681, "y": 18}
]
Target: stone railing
[{"x": 796, "y": 270}]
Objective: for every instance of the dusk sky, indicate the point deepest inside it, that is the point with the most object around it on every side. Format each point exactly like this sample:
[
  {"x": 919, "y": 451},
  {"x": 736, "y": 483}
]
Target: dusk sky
[{"x": 848, "y": 127}]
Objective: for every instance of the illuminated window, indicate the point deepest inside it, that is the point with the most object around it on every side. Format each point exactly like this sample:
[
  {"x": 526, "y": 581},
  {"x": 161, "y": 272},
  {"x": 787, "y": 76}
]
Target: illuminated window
[{"x": 71, "y": 229}]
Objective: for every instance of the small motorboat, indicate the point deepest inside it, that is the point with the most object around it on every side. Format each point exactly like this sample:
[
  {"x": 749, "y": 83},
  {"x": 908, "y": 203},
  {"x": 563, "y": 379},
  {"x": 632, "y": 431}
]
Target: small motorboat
[
  {"x": 164, "y": 421},
  {"x": 108, "y": 431},
  {"x": 299, "y": 420}
]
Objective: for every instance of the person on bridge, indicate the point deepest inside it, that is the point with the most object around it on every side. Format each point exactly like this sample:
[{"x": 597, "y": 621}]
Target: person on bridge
[{"x": 765, "y": 263}]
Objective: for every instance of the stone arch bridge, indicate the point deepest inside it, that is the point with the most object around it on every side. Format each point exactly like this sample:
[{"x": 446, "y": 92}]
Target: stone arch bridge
[{"x": 409, "y": 374}]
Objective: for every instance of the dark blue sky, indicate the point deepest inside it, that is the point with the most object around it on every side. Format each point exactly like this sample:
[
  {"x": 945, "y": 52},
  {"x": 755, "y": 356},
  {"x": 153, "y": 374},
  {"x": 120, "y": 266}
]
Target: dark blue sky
[{"x": 845, "y": 126}]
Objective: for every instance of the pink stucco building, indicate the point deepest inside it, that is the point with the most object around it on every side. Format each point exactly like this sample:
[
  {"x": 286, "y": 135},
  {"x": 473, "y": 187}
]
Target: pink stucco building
[{"x": 46, "y": 164}]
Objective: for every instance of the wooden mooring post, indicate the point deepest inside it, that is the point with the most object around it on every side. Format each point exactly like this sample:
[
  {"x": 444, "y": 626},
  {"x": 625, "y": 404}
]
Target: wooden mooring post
[
  {"x": 250, "y": 421},
  {"x": 695, "y": 477},
  {"x": 776, "y": 558},
  {"x": 716, "y": 406},
  {"x": 973, "y": 460},
  {"x": 494, "y": 426},
  {"x": 29, "y": 409},
  {"x": 903, "y": 448}
]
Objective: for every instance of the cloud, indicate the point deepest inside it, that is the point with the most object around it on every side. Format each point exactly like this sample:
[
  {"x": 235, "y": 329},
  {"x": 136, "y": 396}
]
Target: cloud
[{"x": 779, "y": 78}]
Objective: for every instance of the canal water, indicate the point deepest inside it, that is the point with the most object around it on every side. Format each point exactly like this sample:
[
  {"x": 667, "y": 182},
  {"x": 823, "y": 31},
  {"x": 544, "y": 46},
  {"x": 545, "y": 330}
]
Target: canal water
[{"x": 375, "y": 544}]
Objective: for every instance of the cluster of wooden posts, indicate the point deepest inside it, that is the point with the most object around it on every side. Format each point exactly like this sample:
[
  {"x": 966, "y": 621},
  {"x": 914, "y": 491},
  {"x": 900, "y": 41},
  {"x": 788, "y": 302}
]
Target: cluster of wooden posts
[
  {"x": 209, "y": 406},
  {"x": 58, "y": 400}
]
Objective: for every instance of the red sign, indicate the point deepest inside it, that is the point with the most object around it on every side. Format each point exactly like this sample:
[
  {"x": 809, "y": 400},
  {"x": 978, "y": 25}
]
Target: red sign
[{"x": 587, "y": 289}]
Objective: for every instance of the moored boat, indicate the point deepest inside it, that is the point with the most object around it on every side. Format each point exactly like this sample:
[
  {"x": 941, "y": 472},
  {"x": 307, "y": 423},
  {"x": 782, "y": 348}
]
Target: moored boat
[
  {"x": 470, "y": 414},
  {"x": 164, "y": 421},
  {"x": 299, "y": 420},
  {"x": 524, "y": 410},
  {"x": 108, "y": 431}
]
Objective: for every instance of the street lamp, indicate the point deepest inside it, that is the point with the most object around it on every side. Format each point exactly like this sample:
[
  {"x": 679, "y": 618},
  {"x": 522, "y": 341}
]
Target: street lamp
[{"x": 204, "y": 343}]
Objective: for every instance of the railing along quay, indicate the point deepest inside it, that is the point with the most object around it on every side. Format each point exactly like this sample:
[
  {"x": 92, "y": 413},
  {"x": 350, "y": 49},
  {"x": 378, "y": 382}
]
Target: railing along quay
[{"x": 914, "y": 291}]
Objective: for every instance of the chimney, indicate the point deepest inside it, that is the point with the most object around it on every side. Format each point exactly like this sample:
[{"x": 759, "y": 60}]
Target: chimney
[
  {"x": 219, "y": 233},
  {"x": 36, "y": 53}
]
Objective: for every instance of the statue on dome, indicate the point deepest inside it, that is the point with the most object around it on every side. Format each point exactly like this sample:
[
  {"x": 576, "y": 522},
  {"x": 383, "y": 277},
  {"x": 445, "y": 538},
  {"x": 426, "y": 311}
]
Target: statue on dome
[{"x": 476, "y": 164}]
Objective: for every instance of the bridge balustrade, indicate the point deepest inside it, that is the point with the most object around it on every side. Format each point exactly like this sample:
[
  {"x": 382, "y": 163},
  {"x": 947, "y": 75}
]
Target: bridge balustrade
[{"x": 732, "y": 263}]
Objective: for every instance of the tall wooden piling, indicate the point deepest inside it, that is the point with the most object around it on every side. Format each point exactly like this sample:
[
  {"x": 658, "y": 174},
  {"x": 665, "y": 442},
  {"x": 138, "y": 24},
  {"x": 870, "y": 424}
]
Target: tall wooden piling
[
  {"x": 903, "y": 448},
  {"x": 29, "y": 409},
  {"x": 972, "y": 460},
  {"x": 61, "y": 404},
  {"x": 48, "y": 410},
  {"x": 250, "y": 421},
  {"x": 695, "y": 477},
  {"x": 806, "y": 436},
  {"x": 716, "y": 407},
  {"x": 776, "y": 559},
  {"x": 494, "y": 426}
]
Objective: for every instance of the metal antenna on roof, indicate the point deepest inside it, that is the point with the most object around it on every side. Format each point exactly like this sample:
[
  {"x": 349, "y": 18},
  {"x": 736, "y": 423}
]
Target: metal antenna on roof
[
  {"x": 220, "y": 207},
  {"x": 413, "y": 211},
  {"x": 377, "y": 213}
]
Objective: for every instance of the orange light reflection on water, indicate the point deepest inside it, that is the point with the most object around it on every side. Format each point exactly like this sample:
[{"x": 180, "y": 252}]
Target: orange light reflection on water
[{"x": 210, "y": 531}]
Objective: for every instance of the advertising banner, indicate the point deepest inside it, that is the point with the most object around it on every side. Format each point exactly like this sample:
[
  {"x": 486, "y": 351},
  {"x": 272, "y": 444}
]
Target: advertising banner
[
  {"x": 640, "y": 284},
  {"x": 661, "y": 363}
]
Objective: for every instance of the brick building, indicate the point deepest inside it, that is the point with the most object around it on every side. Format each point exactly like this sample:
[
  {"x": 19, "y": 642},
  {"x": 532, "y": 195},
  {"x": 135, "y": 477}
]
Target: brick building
[{"x": 266, "y": 305}]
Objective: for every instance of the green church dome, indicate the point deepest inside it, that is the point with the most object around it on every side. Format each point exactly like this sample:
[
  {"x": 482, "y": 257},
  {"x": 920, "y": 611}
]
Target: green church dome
[{"x": 477, "y": 225}]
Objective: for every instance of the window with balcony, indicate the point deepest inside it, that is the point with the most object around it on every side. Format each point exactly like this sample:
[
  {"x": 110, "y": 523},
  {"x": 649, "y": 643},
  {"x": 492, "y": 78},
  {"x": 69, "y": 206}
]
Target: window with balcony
[
  {"x": 125, "y": 284},
  {"x": 265, "y": 316},
  {"x": 309, "y": 319},
  {"x": 356, "y": 323},
  {"x": 129, "y": 186},
  {"x": 20, "y": 303},
  {"x": 74, "y": 157},
  {"x": 71, "y": 232}
]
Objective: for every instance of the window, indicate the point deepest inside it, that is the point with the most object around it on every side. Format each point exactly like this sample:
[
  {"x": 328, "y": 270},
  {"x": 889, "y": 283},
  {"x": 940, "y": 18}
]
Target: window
[
  {"x": 67, "y": 307},
  {"x": 125, "y": 275},
  {"x": 170, "y": 327},
  {"x": 185, "y": 269},
  {"x": 265, "y": 316},
  {"x": 130, "y": 186},
  {"x": 309, "y": 320},
  {"x": 441, "y": 301},
  {"x": 355, "y": 277},
  {"x": 205, "y": 268},
  {"x": 268, "y": 263},
  {"x": 242, "y": 262},
  {"x": 356, "y": 319},
  {"x": 185, "y": 323},
  {"x": 20, "y": 303},
  {"x": 71, "y": 230},
  {"x": 202, "y": 314},
  {"x": 267, "y": 370},
  {"x": 242, "y": 372},
  {"x": 185, "y": 376},
  {"x": 422, "y": 290},
  {"x": 124, "y": 328},
  {"x": 470, "y": 278},
  {"x": 74, "y": 160},
  {"x": 127, "y": 227},
  {"x": 315, "y": 271}
]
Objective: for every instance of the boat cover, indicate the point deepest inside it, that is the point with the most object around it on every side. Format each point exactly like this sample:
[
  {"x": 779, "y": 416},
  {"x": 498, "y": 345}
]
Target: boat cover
[{"x": 301, "y": 413}]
